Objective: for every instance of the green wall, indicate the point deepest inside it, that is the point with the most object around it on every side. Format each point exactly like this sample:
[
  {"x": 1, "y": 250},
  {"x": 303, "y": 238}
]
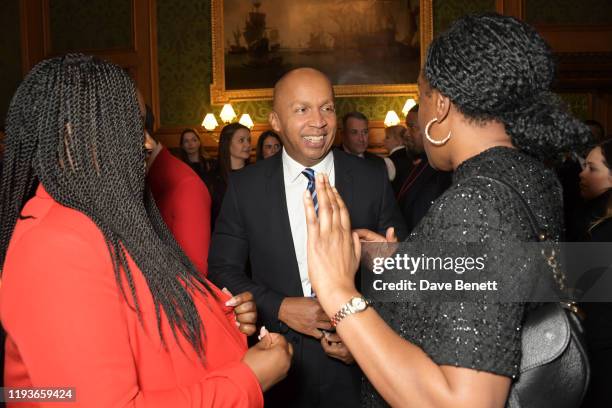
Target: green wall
[
  {"x": 184, "y": 50},
  {"x": 185, "y": 58},
  {"x": 10, "y": 54}
]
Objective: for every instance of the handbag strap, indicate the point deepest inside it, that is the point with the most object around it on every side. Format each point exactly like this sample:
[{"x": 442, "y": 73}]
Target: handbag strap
[{"x": 539, "y": 234}]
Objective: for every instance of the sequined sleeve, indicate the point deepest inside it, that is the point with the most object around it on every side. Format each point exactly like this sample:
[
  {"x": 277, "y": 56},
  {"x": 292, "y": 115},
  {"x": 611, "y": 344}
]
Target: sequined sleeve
[{"x": 482, "y": 335}]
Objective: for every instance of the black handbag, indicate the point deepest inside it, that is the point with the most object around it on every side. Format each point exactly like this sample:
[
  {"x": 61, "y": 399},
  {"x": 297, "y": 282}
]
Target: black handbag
[{"x": 554, "y": 370}]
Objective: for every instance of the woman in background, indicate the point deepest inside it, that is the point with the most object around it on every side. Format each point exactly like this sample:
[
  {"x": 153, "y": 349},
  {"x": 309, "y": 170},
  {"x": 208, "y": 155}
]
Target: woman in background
[
  {"x": 595, "y": 188},
  {"x": 193, "y": 154},
  {"x": 96, "y": 294},
  {"x": 234, "y": 154},
  {"x": 596, "y": 217},
  {"x": 268, "y": 145}
]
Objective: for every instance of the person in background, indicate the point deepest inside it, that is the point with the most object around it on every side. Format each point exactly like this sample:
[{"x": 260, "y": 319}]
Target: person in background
[
  {"x": 400, "y": 160},
  {"x": 424, "y": 183},
  {"x": 234, "y": 153},
  {"x": 597, "y": 129},
  {"x": 181, "y": 197},
  {"x": 96, "y": 294},
  {"x": 192, "y": 153},
  {"x": 262, "y": 226},
  {"x": 356, "y": 137},
  {"x": 595, "y": 187},
  {"x": 458, "y": 354},
  {"x": 268, "y": 145}
]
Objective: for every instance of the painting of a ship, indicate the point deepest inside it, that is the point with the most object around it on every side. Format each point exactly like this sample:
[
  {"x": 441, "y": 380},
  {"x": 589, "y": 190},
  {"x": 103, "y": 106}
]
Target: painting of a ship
[{"x": 353, "y": 41}]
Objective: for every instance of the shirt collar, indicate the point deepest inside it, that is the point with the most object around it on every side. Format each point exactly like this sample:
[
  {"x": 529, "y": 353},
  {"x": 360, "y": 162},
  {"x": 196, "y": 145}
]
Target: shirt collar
[
  {"x": 396, "y": 148},
  {"x": 292, "y": 170},
  {"x": 347, "y": 151}
]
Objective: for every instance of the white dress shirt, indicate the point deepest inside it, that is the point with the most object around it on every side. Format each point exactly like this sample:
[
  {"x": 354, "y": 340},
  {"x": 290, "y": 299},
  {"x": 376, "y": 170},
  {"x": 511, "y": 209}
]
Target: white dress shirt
[
  {"x": 390, "y": 165},
  {"x": 295, "y": 185}
]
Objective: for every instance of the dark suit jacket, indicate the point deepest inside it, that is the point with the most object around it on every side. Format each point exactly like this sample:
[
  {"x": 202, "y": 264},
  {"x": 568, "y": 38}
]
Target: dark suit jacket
[
  {"x": 254, "y": 225},
  {"x": 402, "y": 160},
  {"x": 376, "y": 159},
  {"x": 422, "y": 186}
]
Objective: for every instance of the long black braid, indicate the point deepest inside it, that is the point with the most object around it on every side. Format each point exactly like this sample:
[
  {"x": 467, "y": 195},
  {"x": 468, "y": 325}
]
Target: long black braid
[{"x": 75, "y": 124}]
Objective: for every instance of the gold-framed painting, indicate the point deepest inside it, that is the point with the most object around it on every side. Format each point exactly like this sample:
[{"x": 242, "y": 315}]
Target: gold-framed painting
[{"x": 366, "y": 47}]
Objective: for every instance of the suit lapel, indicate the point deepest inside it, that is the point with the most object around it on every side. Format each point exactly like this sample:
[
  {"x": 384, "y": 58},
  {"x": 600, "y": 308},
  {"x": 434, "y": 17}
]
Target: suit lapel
[
  {"x": 344, "y": 179},
  {"x": 275, "y": 191}
]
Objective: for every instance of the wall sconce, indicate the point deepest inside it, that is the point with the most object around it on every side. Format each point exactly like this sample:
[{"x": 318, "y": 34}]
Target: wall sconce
[
  {"x": 392, "y": 119},
  {"x": 210, "y": 122},
  {"x": 246, "y": 120},
  {"x": 227, "y": 113},
  {"x": 410, "y": 103}
]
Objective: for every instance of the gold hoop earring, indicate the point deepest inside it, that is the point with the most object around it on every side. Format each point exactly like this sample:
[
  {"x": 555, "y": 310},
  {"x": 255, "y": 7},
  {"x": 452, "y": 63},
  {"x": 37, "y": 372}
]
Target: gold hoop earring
[{"x": 430, "y": 139}]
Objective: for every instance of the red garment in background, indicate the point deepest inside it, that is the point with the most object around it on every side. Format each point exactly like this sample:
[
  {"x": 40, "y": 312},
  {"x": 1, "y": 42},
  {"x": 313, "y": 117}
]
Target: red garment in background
[
  {"x": 184, "y": 203},
  {"x": 68, "y": 325}
]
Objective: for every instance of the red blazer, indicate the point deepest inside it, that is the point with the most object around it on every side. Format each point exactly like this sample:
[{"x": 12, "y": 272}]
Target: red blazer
[
  {"x": 68, "y": 325},
  {"x": 184, "y": 203}
]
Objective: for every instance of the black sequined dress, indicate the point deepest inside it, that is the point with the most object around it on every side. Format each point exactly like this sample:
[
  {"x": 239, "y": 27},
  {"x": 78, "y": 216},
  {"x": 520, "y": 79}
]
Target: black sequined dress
[{"x": 482, "y": 336}]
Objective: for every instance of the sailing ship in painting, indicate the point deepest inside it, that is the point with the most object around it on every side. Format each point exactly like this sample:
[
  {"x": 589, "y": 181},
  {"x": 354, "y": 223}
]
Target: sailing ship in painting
[
  {"x": 331, "y": 35},
  {"x": 261, "y": 41}
]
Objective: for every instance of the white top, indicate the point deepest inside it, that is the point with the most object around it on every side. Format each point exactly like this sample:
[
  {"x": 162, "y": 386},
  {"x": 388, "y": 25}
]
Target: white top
[{"x": 295, "y": 185}]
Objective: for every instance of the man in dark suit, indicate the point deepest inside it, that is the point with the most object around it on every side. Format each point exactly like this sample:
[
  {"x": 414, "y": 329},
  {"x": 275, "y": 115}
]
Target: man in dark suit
[
  {"x": 356, "y": 137},
  {"x": 424, "y": 183},
  {"x": 400, "y": 160},
  {"x": 262, "y": 221}
]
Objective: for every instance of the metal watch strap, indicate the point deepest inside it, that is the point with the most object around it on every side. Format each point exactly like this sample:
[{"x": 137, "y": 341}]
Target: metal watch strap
[{"x": 347, "y": 309}]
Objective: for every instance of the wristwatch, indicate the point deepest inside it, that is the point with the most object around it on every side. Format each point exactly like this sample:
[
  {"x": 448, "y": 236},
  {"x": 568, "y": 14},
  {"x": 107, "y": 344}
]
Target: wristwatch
[{"x": 356, "y": 304}]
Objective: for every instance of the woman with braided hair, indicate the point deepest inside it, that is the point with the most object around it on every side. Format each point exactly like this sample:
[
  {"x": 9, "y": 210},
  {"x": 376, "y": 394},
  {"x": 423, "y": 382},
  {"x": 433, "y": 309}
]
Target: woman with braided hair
[
  {"x": 487, "y": 113},
  {"x": 96, "y": 294}
]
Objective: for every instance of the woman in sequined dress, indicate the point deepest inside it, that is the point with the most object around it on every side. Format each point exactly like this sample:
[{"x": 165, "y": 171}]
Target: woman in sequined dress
[{"x": 487, "y": 110}]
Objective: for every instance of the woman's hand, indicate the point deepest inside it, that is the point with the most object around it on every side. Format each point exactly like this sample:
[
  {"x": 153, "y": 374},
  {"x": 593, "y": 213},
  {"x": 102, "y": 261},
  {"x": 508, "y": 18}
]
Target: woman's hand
[
  {"x": 366, "y": 235},
  {"x": 369, "y": 252},
  {"x": 333, "y": 250},
  {"x": 269, "y": 359},
  {"x": 245, "y": 311}
]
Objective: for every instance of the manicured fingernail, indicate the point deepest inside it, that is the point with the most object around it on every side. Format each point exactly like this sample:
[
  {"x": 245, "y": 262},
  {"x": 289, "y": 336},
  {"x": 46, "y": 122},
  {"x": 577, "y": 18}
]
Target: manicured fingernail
[
  {"x": 231, "y": 302},
  {"x": 237, "y": 323},
  {"x": 262, "y": 333}
]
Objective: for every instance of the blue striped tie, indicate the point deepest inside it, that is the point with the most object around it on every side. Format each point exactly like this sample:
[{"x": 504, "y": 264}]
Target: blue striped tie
[{"x": 310, "y": 175}]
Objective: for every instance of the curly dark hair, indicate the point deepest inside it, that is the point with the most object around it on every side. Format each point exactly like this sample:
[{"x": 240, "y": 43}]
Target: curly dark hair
[
  {"x": 496, "y": 67},
  {"x": 75, "y": 124}
]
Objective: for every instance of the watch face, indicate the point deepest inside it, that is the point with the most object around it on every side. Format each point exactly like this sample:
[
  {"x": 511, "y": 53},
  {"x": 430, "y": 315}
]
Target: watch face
[{"x": 358, "y": 304}]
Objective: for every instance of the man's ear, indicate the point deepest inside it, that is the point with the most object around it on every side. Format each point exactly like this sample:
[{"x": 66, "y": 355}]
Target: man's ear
[
  {"x": 274, "y": 121},
  {"x": 442, "y": 105}
]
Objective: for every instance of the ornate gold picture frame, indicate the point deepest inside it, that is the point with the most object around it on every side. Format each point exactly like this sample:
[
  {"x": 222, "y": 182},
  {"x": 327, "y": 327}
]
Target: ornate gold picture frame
[{"x": 367, "y": 47}]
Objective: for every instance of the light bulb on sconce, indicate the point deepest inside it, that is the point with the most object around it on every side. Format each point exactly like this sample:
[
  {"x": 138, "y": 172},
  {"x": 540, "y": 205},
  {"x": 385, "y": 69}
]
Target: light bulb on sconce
[
  {"x": 410, "y": 103},
  {"x": 392, "y": 119},
  {"x": 210, "y": 122},
  {"x": 227, "y": 113},
  {"x": 246, "y": 120}
]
